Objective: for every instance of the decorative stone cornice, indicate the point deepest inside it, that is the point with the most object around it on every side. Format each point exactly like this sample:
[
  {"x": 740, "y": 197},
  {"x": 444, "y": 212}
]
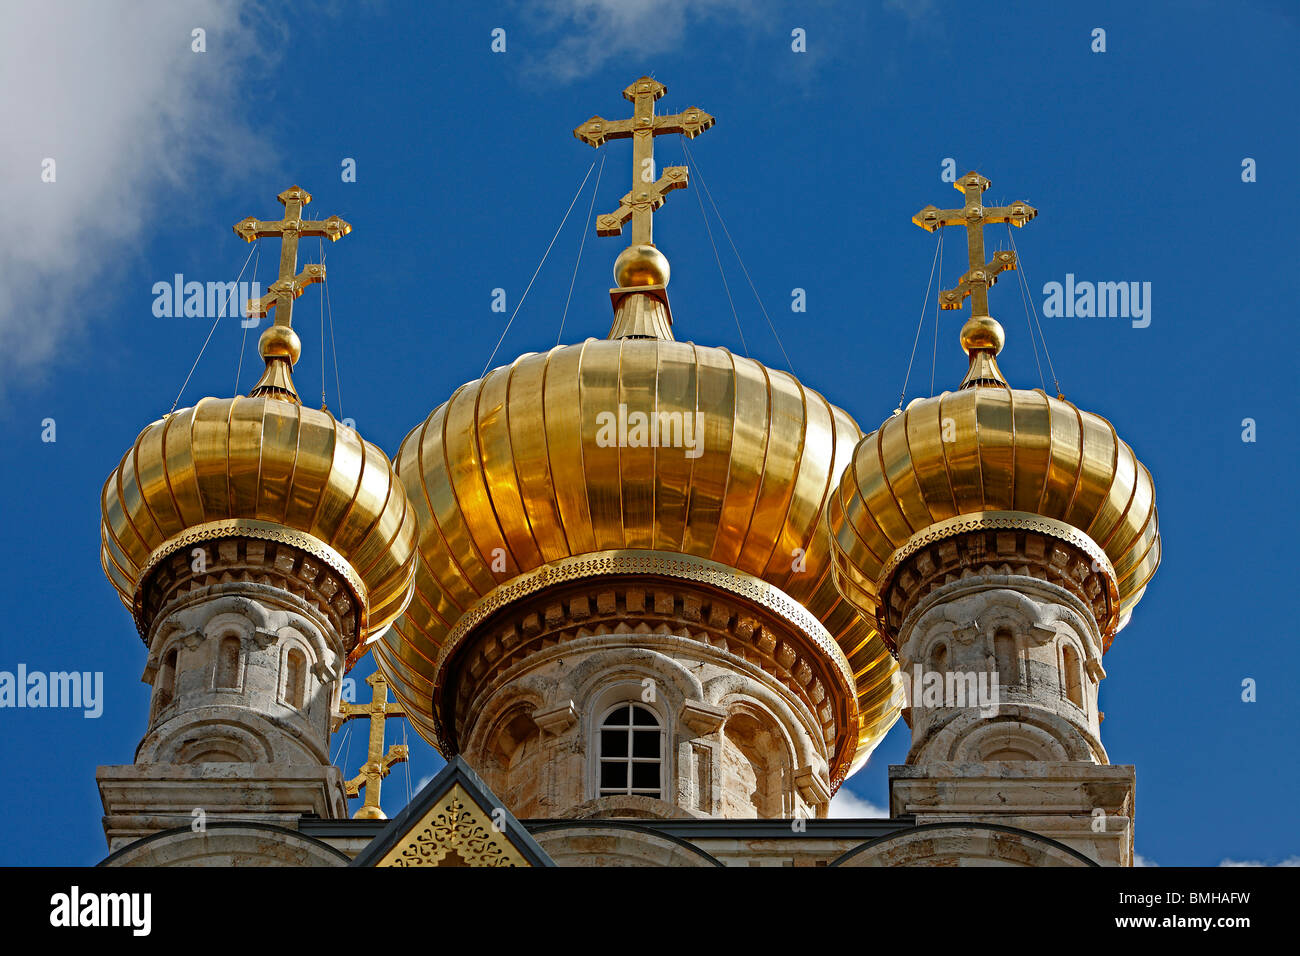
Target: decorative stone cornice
[
  {"x": 946, "y": 555},
  {"x": 259, "y": 562}
]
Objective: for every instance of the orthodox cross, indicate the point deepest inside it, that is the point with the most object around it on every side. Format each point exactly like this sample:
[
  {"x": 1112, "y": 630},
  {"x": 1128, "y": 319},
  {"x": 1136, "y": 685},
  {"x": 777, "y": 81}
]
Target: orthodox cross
[
  {"x": 974, "y": 216},
  {"x": 290, "y": 229},
  {"x": 378, "y": 764},
  {"x": 647, "y": 193}
]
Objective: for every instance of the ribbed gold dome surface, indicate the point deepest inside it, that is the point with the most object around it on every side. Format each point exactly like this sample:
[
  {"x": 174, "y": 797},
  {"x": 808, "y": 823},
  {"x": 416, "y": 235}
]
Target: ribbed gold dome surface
[
  {"x": 1008, "y": 455},
  {"x": 261, "y": 467},
  {"x": 513, "y": 471}
]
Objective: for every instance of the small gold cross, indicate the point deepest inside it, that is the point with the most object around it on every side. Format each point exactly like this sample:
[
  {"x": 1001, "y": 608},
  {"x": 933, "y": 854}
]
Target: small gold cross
[
  {"x": 974, "y": 216},
  {"x": 292, "y": 227},
  {"x": 378, "y": 764},
  {"x": 647, "y": 193},
  {"x": 279, "y": 344}
]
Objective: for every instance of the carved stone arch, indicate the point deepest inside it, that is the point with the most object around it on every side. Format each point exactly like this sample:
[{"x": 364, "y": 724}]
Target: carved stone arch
[
  {"x": 164, "y": 675},
  {"x": 1071, "y": 663},
  {"x": 629, "y": 806},
  {"x": 293, "y": 644},
  {"x": 226, "y": 636},
  {"x": 757, "y": 762},
  {"x": 225, "y": 623},
  {"x": 215, "y": 739},
  {"x": 1014, "y": 740},
  {"x": 967, "y": 736},
  {"x": 595, "y": 672},
  {"x": 224, "y": 843},
  {"x": 617, "y": 844},
  {"x": 322, "y": 658},
  {"x": 963, "y": 844},
  {"x": 508, "y": 746},
  {"x": 527, "y": 693},
  {"x": 936, "y": 653},
  {"x": 790, "y": 714}
]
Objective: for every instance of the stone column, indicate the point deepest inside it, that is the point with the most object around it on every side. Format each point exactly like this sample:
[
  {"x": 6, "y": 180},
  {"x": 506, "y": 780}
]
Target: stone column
[
  {"x": 247, "y": 644},
  {"x": 1000, "y": 651}
]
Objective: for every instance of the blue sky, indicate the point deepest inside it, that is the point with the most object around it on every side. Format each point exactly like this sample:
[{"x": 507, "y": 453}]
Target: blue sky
[{"x": 465, "y": 166}]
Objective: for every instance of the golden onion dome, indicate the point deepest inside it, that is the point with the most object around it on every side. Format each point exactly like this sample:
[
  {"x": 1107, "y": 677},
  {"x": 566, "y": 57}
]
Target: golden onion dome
[
  {"x": 263, "y": 467},
  {"x": 992, "y": 456},
  {"x": 522, "y": 470}
]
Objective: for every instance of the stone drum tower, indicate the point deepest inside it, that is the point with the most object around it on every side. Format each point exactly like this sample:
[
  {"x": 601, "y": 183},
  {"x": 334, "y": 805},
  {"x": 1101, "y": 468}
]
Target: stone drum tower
[
  {"x": 1000, "y": 538},
  {"x": 259, "y": 545}
]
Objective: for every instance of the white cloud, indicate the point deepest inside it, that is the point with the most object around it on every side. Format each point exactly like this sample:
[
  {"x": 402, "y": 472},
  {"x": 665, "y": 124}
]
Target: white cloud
[
  {"x": 1289, "y": 861},
  {"x": 592, "y": 32},
  {"x": 1140, "y": 860},
  {"x": 848, "y": 805},
  {"x": 114, "y": 94}
]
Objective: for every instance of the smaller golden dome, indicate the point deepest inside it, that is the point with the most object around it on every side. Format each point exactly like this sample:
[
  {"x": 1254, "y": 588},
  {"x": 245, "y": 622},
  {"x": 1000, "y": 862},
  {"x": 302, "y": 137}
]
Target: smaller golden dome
[
  {"x": 641, "y": 265},
  {"x": 996, "y": 457},
  {"x": 262, "y": 468}
]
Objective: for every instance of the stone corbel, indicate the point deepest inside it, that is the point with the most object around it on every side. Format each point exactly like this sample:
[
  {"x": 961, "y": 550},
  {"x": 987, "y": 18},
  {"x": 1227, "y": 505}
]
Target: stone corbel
[
  {"x": 1095, "y": 670},
  {"x": 1040, "y": 634},
  {"x": 265, "y": 636},
  {"x": 324, "y": 673},
  {"x": 558, "y": 719},
  {"x": 812, "y": 787},
  {"x": 701, "y": 718}
]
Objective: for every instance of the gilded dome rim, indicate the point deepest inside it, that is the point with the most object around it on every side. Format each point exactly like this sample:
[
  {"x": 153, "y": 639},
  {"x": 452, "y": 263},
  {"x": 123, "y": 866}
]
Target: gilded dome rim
[{"x": 263, "y": 531}]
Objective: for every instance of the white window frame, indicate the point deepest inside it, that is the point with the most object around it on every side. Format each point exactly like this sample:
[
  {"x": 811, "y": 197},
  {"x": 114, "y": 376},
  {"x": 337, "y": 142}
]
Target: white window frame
[{"x": 597, "y": 706}]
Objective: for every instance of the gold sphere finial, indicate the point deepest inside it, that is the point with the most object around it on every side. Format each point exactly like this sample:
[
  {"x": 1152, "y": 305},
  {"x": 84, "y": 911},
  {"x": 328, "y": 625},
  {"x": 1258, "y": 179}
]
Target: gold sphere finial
[
  {"x": 368, "y": 812},
  {"x": 982, "y": 333},
  {"x": 280, "y": 341},
  {"x": 641, "y": 264}
]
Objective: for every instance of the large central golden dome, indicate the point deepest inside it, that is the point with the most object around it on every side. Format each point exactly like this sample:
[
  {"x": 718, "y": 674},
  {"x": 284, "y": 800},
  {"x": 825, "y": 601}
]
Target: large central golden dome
[{"x": 519, "y": 470}]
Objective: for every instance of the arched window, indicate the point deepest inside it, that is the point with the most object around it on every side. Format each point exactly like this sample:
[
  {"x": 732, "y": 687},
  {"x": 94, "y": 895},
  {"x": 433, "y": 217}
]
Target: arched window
[
  {"x": 1004, "y": 650},
  {"x": 228, "y": 663},
  {"x": 631, "y": 752},
  {"x": 939, "y": 659},
  {"x": 166, "y": 682},
  {"x": 1073, "y": 677},
  {"x": 295, "y": 678}
]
